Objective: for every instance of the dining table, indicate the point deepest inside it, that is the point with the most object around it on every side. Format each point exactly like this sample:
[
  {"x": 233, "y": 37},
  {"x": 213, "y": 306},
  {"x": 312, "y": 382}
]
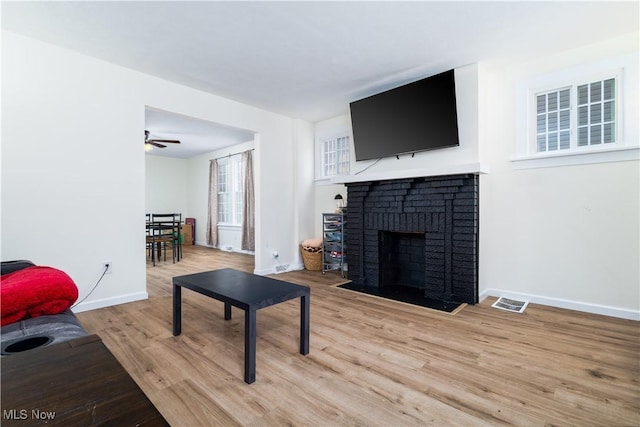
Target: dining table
[{"x": 158, "y": 228}]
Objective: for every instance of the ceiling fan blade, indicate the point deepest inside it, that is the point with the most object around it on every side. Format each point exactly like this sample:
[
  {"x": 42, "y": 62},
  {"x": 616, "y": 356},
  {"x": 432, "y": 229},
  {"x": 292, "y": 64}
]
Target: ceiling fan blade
[
  {"x": 166, "y": 141},
  {"x": 155, "y": 144}
]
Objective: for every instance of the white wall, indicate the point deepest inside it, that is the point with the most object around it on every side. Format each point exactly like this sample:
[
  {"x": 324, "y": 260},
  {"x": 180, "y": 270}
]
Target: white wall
[
  {"x": 565, "y": 236},
  {"x": 73, "y": 180},
  {"x": 468, "y": 152},
  {"x": 466, "y": 156},
  {"x": 165, "y": 185},
  {"x": 303, "y": 187},
  {"x": 325, "y": 191},
  {"x": 562, "y": 236},
  {"x": 325, "y": 203}
]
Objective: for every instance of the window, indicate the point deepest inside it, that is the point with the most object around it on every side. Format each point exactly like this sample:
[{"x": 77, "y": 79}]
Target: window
[
  {"x": 223, "y": 191},
  {"x": 596, "y": 113},
  {"x": 552, "y": 120},
  {"x": 592, "y": 122},
  {"x": 577, "y": 115},
  {"x": 335, "y": 156},
  {"x": 230, "y": 183}
]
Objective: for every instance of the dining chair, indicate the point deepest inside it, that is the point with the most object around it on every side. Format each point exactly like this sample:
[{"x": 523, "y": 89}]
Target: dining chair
[
  {"x": 149, "y": 240},
  {"x": 165, "y": 228},
  {"x": 177, "y": 218}
]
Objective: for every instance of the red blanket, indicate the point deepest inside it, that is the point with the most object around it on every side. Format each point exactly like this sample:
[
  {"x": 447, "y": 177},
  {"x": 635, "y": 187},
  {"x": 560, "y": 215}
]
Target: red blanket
[{"x": 35, "y": 291}]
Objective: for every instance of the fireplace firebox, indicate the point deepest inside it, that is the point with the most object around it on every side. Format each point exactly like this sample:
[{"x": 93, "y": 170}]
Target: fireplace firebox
[
  {"x": 415, "y": 233},
  {"x": 402, "y": 259}
]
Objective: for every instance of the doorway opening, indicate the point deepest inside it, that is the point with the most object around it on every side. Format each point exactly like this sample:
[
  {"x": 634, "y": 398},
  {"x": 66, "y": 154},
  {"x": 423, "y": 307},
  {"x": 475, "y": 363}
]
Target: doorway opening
[{"x": 176, "y": 176}]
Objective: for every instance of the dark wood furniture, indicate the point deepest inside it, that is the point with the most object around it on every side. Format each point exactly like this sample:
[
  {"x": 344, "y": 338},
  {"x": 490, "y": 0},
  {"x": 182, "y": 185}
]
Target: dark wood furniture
[
  {"x": 77, "y": 382},
  {"x": 248, "y": 292},
  {"x": 164, "y": 231}
]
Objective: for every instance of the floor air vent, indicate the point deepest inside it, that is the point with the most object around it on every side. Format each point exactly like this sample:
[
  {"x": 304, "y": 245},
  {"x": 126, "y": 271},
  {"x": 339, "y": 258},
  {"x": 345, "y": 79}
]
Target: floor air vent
[
  {"x": 282, "y": 268},
  {"x": 510, "y": 305}
]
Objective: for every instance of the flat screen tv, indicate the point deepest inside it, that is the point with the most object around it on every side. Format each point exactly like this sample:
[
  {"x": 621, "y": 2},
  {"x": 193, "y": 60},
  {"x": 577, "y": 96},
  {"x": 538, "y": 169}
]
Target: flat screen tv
[{"x": 415, "y": 117}]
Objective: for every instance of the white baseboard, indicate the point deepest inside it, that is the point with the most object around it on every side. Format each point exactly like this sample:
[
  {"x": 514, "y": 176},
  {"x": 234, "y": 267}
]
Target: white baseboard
[
  {"x": 236, "y": 250},
  {"x": 604, "y": 310},
  {"x": 108, "y": 302},
  {"x": 273, "y": 270},
  {"x": 295, "y": 267}
]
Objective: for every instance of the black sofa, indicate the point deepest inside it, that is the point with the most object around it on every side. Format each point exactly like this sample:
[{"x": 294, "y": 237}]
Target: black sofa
[{"x": 39, "y": 331}]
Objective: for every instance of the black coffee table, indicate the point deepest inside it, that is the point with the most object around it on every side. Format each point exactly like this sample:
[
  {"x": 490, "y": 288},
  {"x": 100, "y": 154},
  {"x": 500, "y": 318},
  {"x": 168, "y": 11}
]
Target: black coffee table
[{"x": 248, "y": 292}]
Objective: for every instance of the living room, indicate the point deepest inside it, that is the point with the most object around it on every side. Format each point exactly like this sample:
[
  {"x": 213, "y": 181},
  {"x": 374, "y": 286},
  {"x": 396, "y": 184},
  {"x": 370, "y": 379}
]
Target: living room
[
  {"x": 95, "y": 174},
  {"x": 561, "y": 232}
]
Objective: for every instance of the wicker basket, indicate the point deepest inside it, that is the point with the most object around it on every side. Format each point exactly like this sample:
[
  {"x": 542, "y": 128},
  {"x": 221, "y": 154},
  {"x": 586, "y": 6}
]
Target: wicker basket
[{"x": 312, "y": 258}]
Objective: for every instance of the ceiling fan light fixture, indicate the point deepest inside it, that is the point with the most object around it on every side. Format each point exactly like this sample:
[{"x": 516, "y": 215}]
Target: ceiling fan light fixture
[{"x": 150, "y": 143}]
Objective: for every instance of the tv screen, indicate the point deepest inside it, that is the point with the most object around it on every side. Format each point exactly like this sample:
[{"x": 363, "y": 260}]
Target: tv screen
[{"x": 415, "y": 117}]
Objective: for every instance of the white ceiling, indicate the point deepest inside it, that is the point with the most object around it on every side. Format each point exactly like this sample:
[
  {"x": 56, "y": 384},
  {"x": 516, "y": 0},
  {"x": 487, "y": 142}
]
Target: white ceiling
[
  {"x": 196, "y": 136},
  {"x": 308, "y": 59}
]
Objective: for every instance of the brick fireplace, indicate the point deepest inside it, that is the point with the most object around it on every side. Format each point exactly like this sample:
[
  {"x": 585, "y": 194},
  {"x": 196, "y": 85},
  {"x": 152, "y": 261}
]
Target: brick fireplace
[{"x": 418, "y": 233}]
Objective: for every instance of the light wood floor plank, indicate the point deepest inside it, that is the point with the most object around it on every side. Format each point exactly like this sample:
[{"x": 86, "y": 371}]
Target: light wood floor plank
[{"x": 372, "y": 361}]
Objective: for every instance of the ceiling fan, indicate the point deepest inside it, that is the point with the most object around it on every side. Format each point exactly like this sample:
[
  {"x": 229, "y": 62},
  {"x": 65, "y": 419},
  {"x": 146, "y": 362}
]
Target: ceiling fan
[{"x": 157, "y": 142}]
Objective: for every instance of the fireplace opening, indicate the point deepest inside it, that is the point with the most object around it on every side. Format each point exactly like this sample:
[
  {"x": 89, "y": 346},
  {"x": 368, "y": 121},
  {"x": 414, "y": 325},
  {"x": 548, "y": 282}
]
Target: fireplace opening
[
  {"x": 402, "y": 261},
  {"x": 402, "y": 271}
]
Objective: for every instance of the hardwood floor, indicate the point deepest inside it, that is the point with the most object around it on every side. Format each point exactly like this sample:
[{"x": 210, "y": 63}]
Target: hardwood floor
[{"x": 372, "y": 361}]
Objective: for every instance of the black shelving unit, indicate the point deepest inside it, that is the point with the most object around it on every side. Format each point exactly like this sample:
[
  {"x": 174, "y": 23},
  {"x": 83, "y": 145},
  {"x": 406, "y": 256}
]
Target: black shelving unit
[{"x": 333, "y": 246}]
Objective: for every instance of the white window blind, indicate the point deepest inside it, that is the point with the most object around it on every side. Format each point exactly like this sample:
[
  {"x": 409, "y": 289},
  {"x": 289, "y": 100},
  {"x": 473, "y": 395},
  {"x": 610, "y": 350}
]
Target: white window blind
[
  {"x": 553, "y": 123},
  {"x": 601, "y": 127},
  {"x": 596, "y": 113},
  {"x": 335, "y": 156},
  {"x": 560, "y": 126},
  {"x": 230, "y": 198},
  {"x": 223, "y": 191}
]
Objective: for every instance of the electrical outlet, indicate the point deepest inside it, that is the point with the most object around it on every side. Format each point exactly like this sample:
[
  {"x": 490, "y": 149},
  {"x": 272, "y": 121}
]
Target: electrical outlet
[{"x": 107, "y": 267}]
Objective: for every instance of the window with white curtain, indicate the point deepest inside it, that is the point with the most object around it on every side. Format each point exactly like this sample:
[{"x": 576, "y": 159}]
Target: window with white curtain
[{"x": 230, "y": 177}]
